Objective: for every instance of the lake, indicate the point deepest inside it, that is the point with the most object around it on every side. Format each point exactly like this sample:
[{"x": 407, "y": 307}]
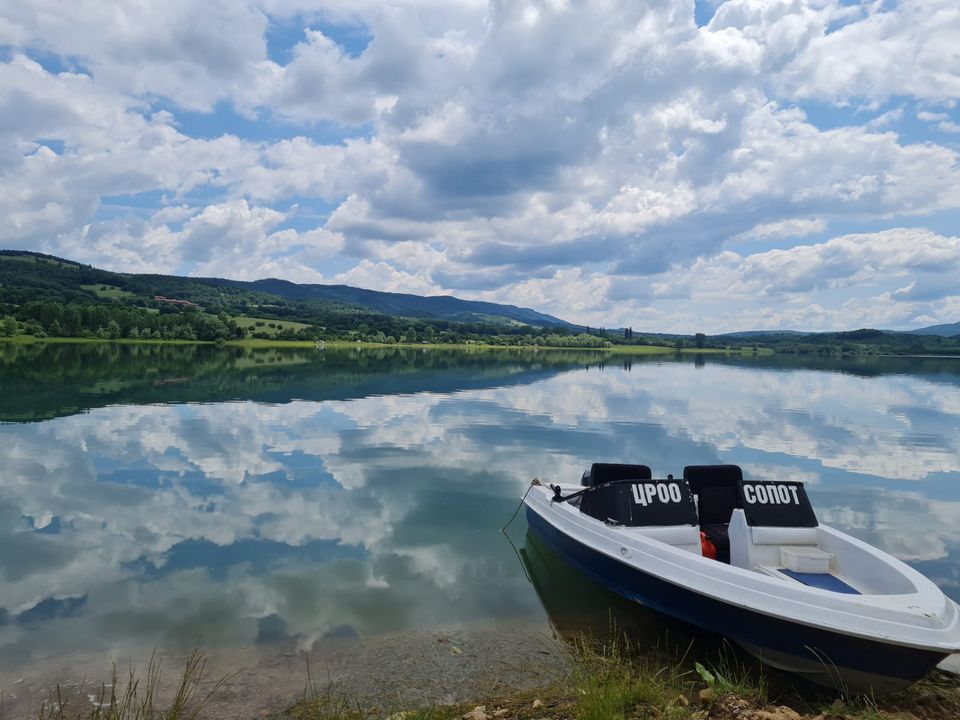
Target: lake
[{"x": 176, "y": 496}]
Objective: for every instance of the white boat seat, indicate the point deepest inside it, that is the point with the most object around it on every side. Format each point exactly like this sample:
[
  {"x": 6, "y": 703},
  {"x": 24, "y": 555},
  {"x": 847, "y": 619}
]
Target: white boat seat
[
  {"x": 751, "y": 547},
  {"x": 784, "y": 535},
  {"x": 685, "y": 537}
]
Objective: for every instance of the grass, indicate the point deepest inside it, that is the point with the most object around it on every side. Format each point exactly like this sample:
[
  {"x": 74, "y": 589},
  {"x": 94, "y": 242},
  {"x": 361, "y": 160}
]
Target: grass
[
  {"x": 251, "y": 323},
  {"x": 605, "y": 682},
  {"x": 137, "y": 700},
  {"x": 110, "y": 292}
]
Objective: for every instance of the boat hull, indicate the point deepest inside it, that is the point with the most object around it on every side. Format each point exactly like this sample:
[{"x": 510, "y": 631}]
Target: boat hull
[{"x": 823, "y": 656}]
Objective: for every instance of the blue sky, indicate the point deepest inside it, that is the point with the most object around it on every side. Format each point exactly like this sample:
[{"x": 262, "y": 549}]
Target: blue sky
[{"x": 670, "y": 165}]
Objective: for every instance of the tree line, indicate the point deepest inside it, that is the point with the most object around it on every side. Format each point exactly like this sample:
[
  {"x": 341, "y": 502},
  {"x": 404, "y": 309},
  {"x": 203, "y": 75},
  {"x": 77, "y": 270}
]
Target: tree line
[{"x": 117, "y": 320}]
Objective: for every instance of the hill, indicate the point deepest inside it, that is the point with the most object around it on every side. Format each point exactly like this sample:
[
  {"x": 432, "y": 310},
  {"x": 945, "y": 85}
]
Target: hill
[
  {"x": 42, "y": 295},
  {"x": 947, "y": 330},
  {"x": 444, "y": 307}
]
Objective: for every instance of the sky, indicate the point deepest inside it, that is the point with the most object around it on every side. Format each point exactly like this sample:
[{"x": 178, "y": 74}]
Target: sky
[{"x": 670, "y": 165}]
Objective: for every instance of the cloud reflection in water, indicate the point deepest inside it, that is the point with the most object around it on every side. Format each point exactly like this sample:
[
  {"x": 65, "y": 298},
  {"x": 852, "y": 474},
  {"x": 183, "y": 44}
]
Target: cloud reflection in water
[{"x": 229, "y": 523}]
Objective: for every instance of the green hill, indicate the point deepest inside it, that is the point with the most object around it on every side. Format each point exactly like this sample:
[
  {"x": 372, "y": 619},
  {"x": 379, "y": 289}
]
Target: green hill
[
  {"x": 28, "y": 276},
  {"x": 47, "y": 296}
]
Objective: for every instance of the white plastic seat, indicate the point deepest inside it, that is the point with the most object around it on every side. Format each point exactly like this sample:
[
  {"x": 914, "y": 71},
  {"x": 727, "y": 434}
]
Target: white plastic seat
[
  {"x": 685, "y": 537},
  {"x": 751, "y": 547}
]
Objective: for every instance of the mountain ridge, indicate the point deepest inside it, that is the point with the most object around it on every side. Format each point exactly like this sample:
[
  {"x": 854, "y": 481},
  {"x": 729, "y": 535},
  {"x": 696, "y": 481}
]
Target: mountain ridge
[
  {"x": 62, "y": 274},
  {"x": 344, "y": 298}
]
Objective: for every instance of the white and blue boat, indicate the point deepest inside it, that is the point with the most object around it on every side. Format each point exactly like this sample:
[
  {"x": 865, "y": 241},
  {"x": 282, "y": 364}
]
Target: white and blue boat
[{"x": 800, "y": 596}]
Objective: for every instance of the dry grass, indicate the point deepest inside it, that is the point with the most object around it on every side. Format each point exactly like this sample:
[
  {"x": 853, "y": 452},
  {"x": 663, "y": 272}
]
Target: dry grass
[{"x": 136, "y": 698}]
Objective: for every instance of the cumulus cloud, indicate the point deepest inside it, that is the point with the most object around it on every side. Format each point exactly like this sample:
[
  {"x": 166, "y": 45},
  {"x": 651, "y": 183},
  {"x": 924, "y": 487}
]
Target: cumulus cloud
[
  {"x": 491, "y": 150},
  {"x": 784, "y": 229},
  {"x": 864, "y": 59}
]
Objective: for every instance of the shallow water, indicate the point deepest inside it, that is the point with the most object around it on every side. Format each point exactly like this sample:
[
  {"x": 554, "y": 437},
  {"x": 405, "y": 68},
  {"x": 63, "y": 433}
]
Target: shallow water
[{"x": 178, "y": 496}]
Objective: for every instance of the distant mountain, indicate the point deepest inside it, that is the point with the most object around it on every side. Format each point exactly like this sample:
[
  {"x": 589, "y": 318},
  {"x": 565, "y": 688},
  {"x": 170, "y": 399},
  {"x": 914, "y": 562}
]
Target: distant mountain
[
  {"x": 947, "y": 330},
  {"x": 26, "y": 276},
  {"x": 445, "y": 307},
  {"x": 765, "y": 333}
]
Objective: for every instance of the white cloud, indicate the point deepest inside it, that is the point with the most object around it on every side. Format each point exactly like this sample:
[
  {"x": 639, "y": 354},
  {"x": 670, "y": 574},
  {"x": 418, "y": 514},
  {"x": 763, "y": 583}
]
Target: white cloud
[
  {"x": 797, "y": 227},
  {"x": 904, "y": 49},
  {"x": 491, "y": 151}
]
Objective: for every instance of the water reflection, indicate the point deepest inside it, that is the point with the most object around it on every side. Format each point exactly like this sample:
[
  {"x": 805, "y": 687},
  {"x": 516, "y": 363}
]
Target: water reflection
[
  {"x": 580, "y": 608},
  {"x": 152, "y": 495}
]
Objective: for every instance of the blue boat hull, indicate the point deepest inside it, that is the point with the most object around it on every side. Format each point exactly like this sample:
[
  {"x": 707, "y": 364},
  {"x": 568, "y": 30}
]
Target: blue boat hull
[{"x": 857, "y": 662}]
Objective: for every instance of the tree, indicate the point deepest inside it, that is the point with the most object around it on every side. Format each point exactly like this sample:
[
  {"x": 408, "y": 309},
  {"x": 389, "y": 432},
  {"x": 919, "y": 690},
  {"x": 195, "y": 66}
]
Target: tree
[
  {"x": 700, "y": 340},
  {"x": 8, "y": 326}
]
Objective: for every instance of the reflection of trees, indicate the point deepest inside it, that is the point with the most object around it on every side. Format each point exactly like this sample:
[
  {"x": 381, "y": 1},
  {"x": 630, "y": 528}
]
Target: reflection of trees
[
  {"x": 937, "y": 369},
  {"x": 44, "y": 380}
]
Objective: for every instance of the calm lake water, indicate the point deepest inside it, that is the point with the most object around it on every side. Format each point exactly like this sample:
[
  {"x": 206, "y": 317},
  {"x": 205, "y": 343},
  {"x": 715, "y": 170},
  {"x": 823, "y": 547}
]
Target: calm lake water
[{"x": 174, "y": 496}]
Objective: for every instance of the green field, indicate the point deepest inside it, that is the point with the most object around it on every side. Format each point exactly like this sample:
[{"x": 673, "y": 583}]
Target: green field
[
  {"x": 109, "y": 292},
  {"x": 265, "y": 325}
]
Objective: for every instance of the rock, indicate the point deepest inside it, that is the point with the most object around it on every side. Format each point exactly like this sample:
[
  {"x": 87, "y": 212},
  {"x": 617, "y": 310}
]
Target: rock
[
  {"x": 501, "y": 712},
  {"x": 777, "y": 713},
  {"x": 707, "y": 696},
  {"x": 538, "y": 703},
  {"x": 478, "y": 713}
]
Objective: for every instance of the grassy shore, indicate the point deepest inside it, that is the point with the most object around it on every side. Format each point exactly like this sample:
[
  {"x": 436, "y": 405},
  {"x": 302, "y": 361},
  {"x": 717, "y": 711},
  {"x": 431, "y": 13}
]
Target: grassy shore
[
  {"x": 333, "y": 344},
  {"x": 603, "y": 683},
  {"x": 607, "y": 685}
]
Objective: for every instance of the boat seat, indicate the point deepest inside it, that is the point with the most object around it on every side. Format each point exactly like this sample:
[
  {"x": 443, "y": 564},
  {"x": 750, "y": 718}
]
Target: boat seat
[
  {"x": 605, "y": 472},
  {"x": 751, "y": 547},
  {"x": 784, "y": 535},
  {"x": 684, "y": 536},
  {"x": 717, "y": 496}
]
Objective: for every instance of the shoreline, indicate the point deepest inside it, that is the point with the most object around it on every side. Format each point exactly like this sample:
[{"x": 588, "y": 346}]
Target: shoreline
[
  {"x": 344, "y": 344},
  {"x": 479, "y": 673}
]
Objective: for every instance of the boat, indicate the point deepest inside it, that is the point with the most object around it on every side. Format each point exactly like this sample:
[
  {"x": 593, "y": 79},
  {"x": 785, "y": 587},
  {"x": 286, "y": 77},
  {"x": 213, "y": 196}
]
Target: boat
[{"x": 748, "y": 559}]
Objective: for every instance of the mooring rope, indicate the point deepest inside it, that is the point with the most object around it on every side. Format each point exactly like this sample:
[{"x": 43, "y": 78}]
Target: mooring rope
[
  {"x": 516, "y": 551},
  {"x": 535, "y": 481}
]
